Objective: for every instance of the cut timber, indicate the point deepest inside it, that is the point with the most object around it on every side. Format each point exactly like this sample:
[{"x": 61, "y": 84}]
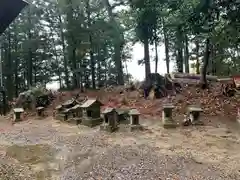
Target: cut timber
[
  {"x": 225, "y": 80},
  {"x": 193, "y": 76}
]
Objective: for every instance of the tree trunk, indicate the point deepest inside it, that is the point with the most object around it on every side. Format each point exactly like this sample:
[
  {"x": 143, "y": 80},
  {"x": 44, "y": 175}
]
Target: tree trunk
[
  {"x": 166, "y": 43},
  {"x": 66, "y": 77},
  {"x": 213, "y": 61},
  {"x": 99, "y": 68},
  {"x": 203, "y": 80},
  {"x": 30, "y": 61},
  {"x": 71, "y": 42},
  {"x": 91, "y": 45},
  {"x": 126, "y": 67},
  {"x": 146, "y": 58},
  {"x": 197, "y": 58},
  {"x": 74, "y": 67},
  {"x": 186, "y": 55},
  {"x": 9, "y": 82},
  {"x": 118, "y": 44},
  {"x": 16, "y": 65},
  {"x": 156, "y": 57},
  {"x": 179, "y": 57}
]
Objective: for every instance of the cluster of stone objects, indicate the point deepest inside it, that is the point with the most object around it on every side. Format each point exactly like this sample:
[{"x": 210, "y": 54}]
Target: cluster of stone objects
[
  {"x": 192, "y": 118},
  {"x": 18, "y": 111},
  {"x": 113, "y": 117},
  {"x": 89, "y": 113},
  {"x": 71, "y": 111}
]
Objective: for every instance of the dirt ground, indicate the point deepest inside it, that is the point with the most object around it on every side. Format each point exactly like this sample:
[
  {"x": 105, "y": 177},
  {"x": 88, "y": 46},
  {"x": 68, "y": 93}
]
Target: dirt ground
[{"x": 49, "y": 149}]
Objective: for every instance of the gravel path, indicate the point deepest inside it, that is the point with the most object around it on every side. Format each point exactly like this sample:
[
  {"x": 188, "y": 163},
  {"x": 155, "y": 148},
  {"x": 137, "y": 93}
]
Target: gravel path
[{"x": 49, "y": 150}]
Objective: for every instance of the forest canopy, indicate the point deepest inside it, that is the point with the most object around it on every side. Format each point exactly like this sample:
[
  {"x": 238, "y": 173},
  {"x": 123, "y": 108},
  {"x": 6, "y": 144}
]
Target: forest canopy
[{"x": 90, "y": 41}]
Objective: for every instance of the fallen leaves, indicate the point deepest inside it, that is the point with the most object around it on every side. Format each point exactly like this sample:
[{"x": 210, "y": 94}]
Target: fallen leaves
[{"x": 211, "y": 100}]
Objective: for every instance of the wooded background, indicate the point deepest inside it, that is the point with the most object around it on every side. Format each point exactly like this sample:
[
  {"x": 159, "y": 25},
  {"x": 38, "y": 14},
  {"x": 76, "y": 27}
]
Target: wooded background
[{"x": 90, "y": 41}]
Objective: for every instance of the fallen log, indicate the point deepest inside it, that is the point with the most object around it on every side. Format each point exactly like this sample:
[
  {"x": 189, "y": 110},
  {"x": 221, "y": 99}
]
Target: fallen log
[
  {"x": 225, "y": 80},
  {"x": 193, "y": 76}
]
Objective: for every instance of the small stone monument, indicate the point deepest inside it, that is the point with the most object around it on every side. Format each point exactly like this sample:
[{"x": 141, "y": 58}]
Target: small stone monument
[
  {"x": 194, "y": 115},
  {"x": 64, "y": 111},
  {"x": 17, "y": 114},
  {"x": 134, "y": 120},
  {"x": 91, "y": 113},
  {"x": 123, "y": 116},
  {"x": 168, "y": 121},
  {"x": 65, "y": 114},
  {"x": 110, "y": 122},
  {"x": 40, "y": 111},
  {"x": 76, "y": 113}
]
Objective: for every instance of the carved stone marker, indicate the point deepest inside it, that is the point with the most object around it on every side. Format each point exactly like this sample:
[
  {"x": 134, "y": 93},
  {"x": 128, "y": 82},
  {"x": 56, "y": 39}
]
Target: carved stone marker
[
  {"x": 91, "y": 113},
  {"x": 40, "y": 111},
  {"x": 110, "y": 122},
  {"x": 194, "y": 115},
  {"x": 167, "y": 119},
  {"x": 134, "y": 120},
  {"x": 17, "y": 114}
]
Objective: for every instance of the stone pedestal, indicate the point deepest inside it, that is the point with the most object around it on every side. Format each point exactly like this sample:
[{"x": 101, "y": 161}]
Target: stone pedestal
[
  {"x": 91, "y": 122},
  {"x": 17, "y": 114},
  {"x": 167, "y": 119},
  {"x": 133, "y": 127},
  {"x": 134, "y": 120},
  {"x": 108, "y": 128},
  {"x": 61, "y": 116},
  {"x": 75, "y": 121}
]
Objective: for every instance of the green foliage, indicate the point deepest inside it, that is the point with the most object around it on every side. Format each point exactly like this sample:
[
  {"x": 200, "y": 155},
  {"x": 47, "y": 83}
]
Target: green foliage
[{"x": 69, "y": 40}]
